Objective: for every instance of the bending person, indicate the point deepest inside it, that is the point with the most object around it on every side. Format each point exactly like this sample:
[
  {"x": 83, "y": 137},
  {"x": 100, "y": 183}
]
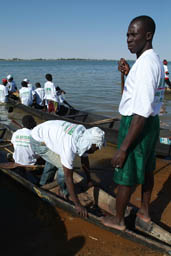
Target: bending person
[{"x": 58, "y": 142}]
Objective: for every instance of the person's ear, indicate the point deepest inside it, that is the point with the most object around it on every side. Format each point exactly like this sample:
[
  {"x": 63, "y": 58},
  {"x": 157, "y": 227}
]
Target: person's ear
[{"x": 149, "y": 36}]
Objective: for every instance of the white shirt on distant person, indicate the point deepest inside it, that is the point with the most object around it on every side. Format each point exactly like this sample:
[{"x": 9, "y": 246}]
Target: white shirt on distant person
[
  {"x": 39, "y": 93},
  {"x": 26, "y": 96},
  {"x": 3, "y": 93},
  {"x": 23, "y": 154},
  {"x": 30, "y": 86},
  {"x": 50, "y": 91},
  {"x": 11, "y": 86},
  {"x": 166, "y": 71},
  {"x": 144, "y": 87}
]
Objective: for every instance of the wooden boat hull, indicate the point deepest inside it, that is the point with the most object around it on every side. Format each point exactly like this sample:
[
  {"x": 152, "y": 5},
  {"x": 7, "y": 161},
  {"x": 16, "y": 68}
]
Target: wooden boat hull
[{"x": 157, "y": 238}]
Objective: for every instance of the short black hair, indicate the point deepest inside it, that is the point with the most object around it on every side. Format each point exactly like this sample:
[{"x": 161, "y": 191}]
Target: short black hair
[
  {"x": 48, "y": 77},
  {"x": 29, "y": 122},
  {"x": 24, "y": 84},
  {"x": 149, "y": 23},
  {"x": 38, "y": 85}
]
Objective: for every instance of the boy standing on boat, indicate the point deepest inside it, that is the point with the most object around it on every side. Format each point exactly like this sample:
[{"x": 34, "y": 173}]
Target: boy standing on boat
[
  {"x": 142, "y": 97},
  {"x": 51, "y": 97},
  {"x": 58, "y": 142}
]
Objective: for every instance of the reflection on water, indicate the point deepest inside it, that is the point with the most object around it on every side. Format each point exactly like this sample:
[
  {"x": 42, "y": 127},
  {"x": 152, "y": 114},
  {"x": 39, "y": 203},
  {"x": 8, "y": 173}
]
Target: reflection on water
[{"x": 30, "y": 226}]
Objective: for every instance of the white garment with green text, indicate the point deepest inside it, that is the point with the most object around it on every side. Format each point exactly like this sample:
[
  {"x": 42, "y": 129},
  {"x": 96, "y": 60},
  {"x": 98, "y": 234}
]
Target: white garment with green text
[
  {"x": 144, "y": 87},
  {"x": 23, "y": 154}
]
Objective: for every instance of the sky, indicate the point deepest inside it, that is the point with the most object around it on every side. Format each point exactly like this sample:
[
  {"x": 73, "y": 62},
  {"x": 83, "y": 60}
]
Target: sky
[{"x": 90, "y": 29}]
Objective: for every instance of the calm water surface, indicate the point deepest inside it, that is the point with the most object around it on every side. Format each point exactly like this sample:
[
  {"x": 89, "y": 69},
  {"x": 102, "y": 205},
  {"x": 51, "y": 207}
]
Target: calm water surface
[{"x": 91, "y": 85}]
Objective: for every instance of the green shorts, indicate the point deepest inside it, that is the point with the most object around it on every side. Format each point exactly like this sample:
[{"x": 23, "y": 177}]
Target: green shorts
[{"x": 141, "y": 155}]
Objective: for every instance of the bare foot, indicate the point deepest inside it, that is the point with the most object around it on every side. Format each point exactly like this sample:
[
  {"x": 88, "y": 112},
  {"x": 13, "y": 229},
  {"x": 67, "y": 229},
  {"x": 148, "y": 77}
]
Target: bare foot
[
  {"x": 110, "y": 221},
  {"x": 143, "y": 217}
]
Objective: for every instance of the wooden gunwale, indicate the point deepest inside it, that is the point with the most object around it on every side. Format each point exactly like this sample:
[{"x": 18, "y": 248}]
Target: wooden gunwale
[{"x": 109, "y": 125}]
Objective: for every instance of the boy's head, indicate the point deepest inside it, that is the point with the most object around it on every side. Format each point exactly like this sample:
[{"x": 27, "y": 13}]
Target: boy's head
[
  {"x": 24, "y": 84},
  {"x": 4, "y": 81},
  {"x": 38, "y": 85},
  {"x": 29, "y": 122},
  {"x": 26, "y": 80},
  {"x": 9, "y": 78},
  {"x": 48, "y": 77},
  {"x": 165, "y": 62}
]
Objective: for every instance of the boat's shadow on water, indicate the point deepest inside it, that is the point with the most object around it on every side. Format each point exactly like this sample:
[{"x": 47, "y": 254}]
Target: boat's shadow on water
[{"x": 30, "y": 226}]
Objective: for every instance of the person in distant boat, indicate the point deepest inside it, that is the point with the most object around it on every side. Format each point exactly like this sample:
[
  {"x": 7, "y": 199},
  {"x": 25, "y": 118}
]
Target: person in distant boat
[
  {"x": 167, "y": 81},
  {"x": 11, "y": 84},
  {"x": 58, "y": 142},
  {"x": 29, "y": 85},
  {"x": 12, "y": 88},
  {"x": 61, "y": 101},
  {"x": 39, "y": 94},
  {"x": 4, "y": 91},
  {"x": 51, "y": 97},
  {"x": 142, "y": 97},
  {"x": 25, "y": 94},
  {"x": 23, "y": 153}
]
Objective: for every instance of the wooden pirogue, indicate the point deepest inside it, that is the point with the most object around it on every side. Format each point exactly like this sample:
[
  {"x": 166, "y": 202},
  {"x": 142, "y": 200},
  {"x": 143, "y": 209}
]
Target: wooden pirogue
[
  {"x": 95, "y": 199},
  {"x": 109, "y": 125}
]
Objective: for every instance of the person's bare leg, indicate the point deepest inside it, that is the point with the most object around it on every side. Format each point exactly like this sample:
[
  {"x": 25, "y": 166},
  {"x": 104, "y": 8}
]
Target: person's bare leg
[
  {"x": 147, "y": 188},
  {"x": 122, "y": 199}
]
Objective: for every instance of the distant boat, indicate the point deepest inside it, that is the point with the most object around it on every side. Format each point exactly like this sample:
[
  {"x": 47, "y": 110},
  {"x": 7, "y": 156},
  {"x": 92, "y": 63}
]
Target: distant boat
[{"x": 109, "y": 125}]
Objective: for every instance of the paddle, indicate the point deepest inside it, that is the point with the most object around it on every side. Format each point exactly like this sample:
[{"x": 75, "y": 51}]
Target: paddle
[
  {"x": 122, "y": 82},
  {"x": 124, "y": 68},
  {"x": 15, "y": 122},
  {"x": 8, "y": 150}
]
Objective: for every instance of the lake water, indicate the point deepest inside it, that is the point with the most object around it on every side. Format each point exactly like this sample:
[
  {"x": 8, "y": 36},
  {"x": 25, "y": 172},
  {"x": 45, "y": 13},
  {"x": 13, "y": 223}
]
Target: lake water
[{"x": 90, "y": 85}]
